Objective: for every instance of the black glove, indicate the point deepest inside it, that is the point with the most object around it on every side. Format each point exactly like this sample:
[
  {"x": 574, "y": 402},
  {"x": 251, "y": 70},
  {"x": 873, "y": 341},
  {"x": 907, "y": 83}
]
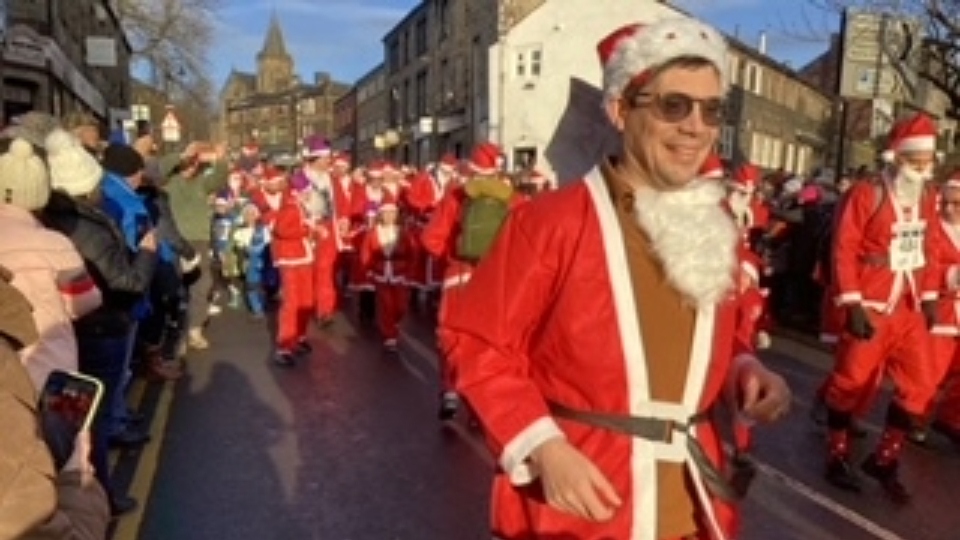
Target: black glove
[
  {"x": 929, "y": 308},
  {"x": 858, "y": 323}
]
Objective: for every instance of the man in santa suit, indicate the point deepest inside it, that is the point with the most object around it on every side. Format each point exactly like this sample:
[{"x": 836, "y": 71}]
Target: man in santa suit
[
  {"x": 440, "y": 237},
  {"x": 365, "y": 200},
  {"x": 387, "y": 255},
  {"x": 885, "y": 272},
  {"x": 291, "y": 234},
  {"x": 945, "y": 415},
  {"x": 595, "y": 337},
  {"x": 315, "y": 185},
  {"x": 747, "y": 209}
]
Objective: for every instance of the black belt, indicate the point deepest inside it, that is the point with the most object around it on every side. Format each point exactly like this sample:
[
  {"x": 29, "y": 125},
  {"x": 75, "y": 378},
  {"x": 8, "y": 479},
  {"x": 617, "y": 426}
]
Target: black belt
[
  {"x": 875, "y": 259},
  {"x": 657, "y": 430}
]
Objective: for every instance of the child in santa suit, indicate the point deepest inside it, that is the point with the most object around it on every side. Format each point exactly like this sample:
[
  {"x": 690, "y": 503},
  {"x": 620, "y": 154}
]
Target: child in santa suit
[
  {"x": 364, "y": 202},
  {"x": 292, "y": 247},
  {"x": 387, "y": 254}
]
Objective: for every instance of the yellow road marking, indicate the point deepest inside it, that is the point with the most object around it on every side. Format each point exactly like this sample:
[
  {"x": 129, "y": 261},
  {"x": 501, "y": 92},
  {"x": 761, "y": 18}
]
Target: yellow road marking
[{"x": 128, "y": 527}]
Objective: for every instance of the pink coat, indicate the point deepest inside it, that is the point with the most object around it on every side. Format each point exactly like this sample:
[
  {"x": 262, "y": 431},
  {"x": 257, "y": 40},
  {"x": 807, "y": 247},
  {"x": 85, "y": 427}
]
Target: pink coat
[
  {"x": 49, "y": 271},
  {"x": 547, "y": 315}
]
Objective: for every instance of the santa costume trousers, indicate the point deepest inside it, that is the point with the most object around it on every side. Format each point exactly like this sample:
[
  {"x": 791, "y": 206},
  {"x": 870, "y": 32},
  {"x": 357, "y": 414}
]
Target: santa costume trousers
[
  {"x": 946, "y": 352},
  {"x": 324, "y": 285},
  {"x": 392, "y": 302},
  {"x": 296, "y": 305},
  {"x": 899, "y": 348}
]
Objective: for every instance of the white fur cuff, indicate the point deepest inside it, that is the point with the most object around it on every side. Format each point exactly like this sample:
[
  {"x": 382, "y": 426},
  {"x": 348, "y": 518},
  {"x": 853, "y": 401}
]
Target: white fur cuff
[{"x": 514, "y": 459}]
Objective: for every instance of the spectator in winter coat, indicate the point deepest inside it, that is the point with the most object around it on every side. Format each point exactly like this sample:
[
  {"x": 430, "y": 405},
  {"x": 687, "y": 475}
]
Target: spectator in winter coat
[
  {"x": 36, "y": 501},
  {"x": 47, "y": 268},
  {"x": 103, "y": 335}
]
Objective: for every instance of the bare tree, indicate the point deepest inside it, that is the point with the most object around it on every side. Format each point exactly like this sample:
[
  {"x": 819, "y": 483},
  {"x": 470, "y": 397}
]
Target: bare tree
[
  {"x": 934, "y": 56},
  {"x": 172, "y": 38}
]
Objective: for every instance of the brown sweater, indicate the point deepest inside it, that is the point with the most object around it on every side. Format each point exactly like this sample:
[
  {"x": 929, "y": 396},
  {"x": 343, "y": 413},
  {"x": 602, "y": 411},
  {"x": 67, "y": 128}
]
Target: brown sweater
[{"x": 666, "y": 325}]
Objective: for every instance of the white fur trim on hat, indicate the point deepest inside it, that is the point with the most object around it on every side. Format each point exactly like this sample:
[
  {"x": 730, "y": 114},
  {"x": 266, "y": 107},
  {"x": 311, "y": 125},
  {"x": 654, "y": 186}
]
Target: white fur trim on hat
[
  {"x": 654, "y": 45},
  {"x": 23, "y": 177},
  {"x": 750, "y": 269},
  {"x": 72, "y": 168},
  {"x": 917, "y": 143}
]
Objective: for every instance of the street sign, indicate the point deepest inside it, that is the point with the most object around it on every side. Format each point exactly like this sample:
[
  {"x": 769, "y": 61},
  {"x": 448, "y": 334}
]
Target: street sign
[{"x": 170, "y": 128}]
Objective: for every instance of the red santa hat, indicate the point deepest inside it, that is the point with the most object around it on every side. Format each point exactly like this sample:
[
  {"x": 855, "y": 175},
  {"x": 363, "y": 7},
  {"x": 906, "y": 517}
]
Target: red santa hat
[
  {"x": 448, "y": 162},
  {"x": 953, "y": 181},
  {"x": 341, "y": 159},
  {"x": 633, "y": 53},
  {"x": 250, "y": 150},
  {"x": 746, "y": 177},
  {"x": 537, "y": 178},
  {"x": 272, "y": 175},
  {"x": 376, "y": 169},
  {"x": 485, "y": 159},
  {"x": 912, "y": 134},
  {"x": 712, "y": 167}
]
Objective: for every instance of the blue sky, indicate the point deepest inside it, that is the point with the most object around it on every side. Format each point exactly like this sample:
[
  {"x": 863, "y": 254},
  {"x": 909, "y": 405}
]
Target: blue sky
[{"x": 343, "y": 37}]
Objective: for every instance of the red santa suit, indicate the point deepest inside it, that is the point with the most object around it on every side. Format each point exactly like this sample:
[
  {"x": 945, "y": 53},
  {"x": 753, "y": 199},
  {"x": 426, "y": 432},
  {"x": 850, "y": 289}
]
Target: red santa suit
[
  {"x": 510, "y": 338},
  {"x": 319, "y": 200},
  {"x": 889, "y": 275},
  {"x": 365, "y": 201},
  {"x": 946, "y": 331},
  {"x": 387, "y": 255},
  {"x": 292, "y": 249},
  {"x": 749, "y": 211}
]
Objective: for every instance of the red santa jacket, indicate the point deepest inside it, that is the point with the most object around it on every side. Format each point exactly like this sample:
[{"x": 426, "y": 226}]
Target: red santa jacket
[
  {"x": 268, "y": 203},
  {"x": 948, "y": 259},
  {"x": 550, "y": 315},
  {"x": 862, "y": 264},
  {"x": 291, "y": 233},
  {"x": 387, "y": 254}
]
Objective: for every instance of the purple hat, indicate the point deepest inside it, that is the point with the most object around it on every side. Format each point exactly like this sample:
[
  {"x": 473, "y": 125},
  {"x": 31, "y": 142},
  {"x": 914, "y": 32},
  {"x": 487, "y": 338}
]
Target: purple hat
[
  {"x": 299, "y": 181},
  {"x": 316, "y": 146}
]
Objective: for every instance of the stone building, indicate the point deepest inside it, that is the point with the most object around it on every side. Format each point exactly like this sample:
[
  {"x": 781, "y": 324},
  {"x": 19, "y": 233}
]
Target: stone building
[
  {"x": 372, "y": 138},
  {"x": 273, "y": 107},
  {"x": 61, "y": 57}
]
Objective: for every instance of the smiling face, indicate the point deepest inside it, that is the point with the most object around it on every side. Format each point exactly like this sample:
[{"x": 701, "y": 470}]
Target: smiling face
[{"x": 670, "y": 125}]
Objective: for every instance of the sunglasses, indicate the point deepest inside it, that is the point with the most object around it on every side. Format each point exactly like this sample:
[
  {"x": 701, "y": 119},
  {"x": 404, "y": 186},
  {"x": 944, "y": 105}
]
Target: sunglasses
[{"x": 675, "y": 107}]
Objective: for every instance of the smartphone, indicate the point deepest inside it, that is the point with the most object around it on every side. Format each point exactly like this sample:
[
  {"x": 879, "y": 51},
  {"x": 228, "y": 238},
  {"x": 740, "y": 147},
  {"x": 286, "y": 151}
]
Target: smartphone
[{"x": 68, "y": 404}]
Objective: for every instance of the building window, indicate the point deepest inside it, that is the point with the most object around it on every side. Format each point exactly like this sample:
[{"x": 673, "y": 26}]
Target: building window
[
  {"x": 394, "y": 55},
  {"x": 529, "y": 62},
  {"x": 754, "y": 79},
  {"x": 734, "y": 68},
  {"x": 421, "y": 36},
  {"x": 422, "y": 93},
  {"x": 443, "y": 16},
  {"x": 725, "y": 144}
]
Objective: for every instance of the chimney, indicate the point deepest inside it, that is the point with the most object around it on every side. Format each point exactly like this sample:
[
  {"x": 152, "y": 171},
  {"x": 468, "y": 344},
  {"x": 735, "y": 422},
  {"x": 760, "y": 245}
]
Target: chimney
[{"x": 763, "y": 43}]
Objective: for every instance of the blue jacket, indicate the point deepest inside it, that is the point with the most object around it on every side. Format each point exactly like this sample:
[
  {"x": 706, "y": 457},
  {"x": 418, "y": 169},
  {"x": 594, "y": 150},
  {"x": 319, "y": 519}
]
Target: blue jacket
[{"x": 131, "y": 213}]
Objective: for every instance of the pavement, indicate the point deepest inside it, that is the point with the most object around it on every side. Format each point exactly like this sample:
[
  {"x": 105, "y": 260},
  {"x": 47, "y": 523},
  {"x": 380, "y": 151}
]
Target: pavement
[{"x": 346, "y": 446}]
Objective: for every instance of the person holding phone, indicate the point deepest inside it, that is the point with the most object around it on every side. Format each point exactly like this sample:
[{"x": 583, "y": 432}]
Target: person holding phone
[
  {"x": 36, "y": 500},
  {"x": 103, "y": 335}
]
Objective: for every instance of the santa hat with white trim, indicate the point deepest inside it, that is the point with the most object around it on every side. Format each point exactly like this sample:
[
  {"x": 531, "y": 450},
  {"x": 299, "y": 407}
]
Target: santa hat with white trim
[
  {"x": 746, "y": 177},
  {"x": 712, "y": 168},
  {"x": 388, "y": 203},
  {"x": 752, "y": 266},
  {"x": 485, "y": 159},
  {"x": 633, "y": 53},
  {"x": 912, "y": 134}
]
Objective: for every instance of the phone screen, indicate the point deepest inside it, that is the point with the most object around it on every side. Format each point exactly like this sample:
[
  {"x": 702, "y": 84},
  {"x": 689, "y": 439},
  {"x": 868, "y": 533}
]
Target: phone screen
[{"x": 68, "y": 404}]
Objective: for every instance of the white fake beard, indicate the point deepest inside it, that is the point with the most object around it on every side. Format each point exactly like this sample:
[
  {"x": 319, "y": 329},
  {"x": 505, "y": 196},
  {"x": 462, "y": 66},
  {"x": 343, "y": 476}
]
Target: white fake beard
[
  {"x": 387, "y": 235},
  {"x": 693, "y": 237},
  {"x": 740, "y": 206},
  {"x": 909, "y": 184}
]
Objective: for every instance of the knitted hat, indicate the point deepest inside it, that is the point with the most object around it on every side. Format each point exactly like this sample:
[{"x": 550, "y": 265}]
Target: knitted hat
[
  {"x": 122, "y": 160},
  {"x": 72, "y": 168},
  {"x": 23, "y": 177},
  {"x": 633, "y": 53}
]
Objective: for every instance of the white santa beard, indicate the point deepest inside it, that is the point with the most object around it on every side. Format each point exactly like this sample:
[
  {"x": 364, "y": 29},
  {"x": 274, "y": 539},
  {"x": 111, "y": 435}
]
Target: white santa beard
[
  {"x": 387, "y": 236},
  {"x": 693, "y": 237}
]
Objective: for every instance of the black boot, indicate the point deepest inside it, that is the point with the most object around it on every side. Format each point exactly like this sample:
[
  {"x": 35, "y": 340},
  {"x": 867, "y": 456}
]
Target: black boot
[
  {"x": 838, "y": 471},
  {"x": 888, "y": 477}
]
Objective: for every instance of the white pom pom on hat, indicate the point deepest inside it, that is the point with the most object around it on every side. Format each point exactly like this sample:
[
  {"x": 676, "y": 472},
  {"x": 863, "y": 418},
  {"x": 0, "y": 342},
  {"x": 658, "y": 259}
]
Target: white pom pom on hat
[
  {"x": 633, "y": 53},
  {"x": 24, "y": 181},
  {"x": 72, "y": 168}
]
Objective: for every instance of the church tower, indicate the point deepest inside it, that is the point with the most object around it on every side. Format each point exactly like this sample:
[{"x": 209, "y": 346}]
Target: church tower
[{"x": 274, "y": 63}]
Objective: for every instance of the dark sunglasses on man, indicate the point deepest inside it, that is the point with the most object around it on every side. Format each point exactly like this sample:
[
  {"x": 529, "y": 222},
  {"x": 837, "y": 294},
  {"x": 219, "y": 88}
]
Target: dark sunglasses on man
[{"x": 675, "y": 107}]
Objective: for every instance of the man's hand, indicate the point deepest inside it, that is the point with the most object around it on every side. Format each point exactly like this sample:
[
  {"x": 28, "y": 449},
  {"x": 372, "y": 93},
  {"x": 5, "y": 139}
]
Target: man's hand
[
  {"x": 149, "y": 241},
  {"x": 858, "y": 323},
  {"x": 572, "y": 483},
  {"x": 763, "y": 395},
  {"x": 929, "y": 308}
]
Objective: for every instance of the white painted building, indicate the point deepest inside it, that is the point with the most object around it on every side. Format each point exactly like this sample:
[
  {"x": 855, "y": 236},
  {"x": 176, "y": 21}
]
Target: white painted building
[{"x": 543, "y": 58}]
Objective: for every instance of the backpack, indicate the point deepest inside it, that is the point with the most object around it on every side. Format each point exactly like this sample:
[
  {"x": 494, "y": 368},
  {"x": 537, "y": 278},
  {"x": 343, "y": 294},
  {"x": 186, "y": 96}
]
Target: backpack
[{"x": 484, "y": 210}]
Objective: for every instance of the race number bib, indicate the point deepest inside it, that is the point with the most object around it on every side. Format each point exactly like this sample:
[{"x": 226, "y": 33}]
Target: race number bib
[{"x": 906, "y": 248}]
